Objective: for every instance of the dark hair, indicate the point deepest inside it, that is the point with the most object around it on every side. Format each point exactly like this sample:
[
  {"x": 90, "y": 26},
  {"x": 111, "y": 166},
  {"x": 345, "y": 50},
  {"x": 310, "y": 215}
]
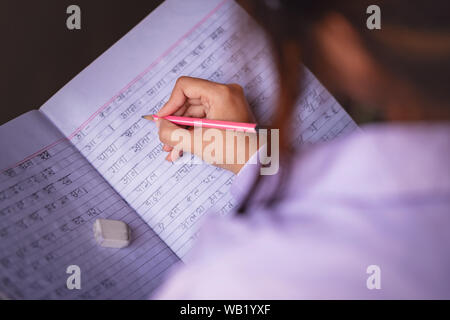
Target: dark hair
[{"x": 419, "y": 54}]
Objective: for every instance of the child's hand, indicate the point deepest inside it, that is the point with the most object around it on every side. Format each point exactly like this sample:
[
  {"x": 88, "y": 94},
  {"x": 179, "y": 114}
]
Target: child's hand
[{"x": 198, "y": 98}]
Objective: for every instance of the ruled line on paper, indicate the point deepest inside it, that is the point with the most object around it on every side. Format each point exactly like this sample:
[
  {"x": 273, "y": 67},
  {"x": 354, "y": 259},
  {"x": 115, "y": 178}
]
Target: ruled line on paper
[{"x": 71, "y": 136}]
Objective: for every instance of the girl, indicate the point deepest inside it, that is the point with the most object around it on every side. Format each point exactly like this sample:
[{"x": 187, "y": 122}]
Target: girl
[{"x": 366, "y": 216}]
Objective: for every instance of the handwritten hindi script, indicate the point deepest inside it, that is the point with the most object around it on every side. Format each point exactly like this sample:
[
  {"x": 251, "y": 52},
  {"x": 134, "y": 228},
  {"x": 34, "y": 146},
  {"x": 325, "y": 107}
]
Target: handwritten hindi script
[
  {"x": 112, "y": 164},
  {"x": 48, "y": 204}
]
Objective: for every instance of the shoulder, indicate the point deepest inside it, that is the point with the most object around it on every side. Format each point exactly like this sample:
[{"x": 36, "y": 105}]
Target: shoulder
[{"x": 344, "y": 211}]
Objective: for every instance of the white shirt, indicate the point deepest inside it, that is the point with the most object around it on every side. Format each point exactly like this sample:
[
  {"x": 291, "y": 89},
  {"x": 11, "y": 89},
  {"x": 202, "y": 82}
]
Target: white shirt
[{"x": 379, "y": 198}]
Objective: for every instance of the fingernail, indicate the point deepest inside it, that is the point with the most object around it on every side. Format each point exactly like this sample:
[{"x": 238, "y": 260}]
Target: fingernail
[{"x": 175, "y": 155}]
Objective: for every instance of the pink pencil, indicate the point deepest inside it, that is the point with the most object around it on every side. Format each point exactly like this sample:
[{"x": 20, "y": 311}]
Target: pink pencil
[{"x": 207, "y": 123}]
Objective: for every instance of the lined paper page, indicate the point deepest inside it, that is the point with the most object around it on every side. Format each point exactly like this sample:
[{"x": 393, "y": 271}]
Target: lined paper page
[
  {"x": 223, "y": 46},
  {"x": 48, "y": 203}
]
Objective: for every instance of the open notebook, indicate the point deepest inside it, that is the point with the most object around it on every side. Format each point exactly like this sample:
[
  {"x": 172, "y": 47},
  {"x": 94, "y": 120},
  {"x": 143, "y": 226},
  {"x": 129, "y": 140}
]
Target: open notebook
[{"x": 88, "y": 154}]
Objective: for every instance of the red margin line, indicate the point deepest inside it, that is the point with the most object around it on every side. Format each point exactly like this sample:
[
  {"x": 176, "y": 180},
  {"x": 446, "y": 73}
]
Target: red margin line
[{"x": 140, "y": 76}]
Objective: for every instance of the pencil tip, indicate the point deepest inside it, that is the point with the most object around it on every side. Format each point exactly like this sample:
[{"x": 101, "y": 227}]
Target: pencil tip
[{"x": 149, "y": 117}]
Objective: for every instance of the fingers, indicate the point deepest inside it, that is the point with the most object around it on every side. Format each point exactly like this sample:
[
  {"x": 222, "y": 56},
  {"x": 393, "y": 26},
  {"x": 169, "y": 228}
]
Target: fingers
[
  {"x": 174, "y": 137},
  {"x": 188, "y": 88},
  {"x": 174, "y": 156},
  {"x": 198, "y": 98},
  {"x": 191, "y": 110},
  {"x": 182, "y": 110},
  {"x": 194, "y": 102},
  {"x": 195, "y": 112}
]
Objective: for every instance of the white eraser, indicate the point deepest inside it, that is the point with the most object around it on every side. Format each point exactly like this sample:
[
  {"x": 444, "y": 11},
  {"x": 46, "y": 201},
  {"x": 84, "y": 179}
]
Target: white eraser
[{"x": 112, "y": 233}]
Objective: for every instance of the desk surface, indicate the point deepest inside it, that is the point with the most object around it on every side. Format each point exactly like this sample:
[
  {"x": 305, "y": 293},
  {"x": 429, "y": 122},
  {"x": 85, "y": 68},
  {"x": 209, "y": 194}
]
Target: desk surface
[{"x": 40, "y": 55}]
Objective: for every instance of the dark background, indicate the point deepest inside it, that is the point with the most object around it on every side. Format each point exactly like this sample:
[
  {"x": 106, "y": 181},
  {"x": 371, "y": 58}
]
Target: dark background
[{"x": 39, "y": 55}]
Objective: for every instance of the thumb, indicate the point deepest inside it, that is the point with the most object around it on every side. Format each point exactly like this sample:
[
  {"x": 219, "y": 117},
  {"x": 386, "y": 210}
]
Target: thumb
[{"x": 175, "y": 136}]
